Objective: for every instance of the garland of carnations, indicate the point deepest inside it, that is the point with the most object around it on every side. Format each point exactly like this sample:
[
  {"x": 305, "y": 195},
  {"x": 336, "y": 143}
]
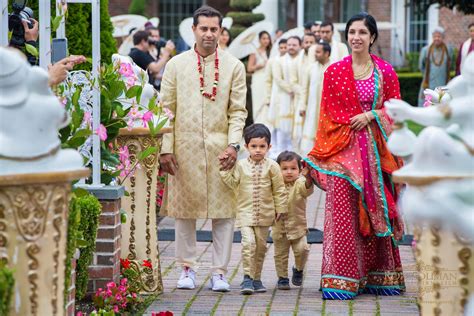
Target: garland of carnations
[{"x": 211, "y": 96}]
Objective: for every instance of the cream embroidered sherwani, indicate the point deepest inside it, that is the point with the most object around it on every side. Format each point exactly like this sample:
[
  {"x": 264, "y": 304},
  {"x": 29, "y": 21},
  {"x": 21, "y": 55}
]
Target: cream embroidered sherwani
[
  {"x": 292, "y": 230},
  {"x": 261, "y": 193},
  {"x": 202, "y": 129},
  {"x": 338, "y": 51},
  {"x": 310, "y": 101}
]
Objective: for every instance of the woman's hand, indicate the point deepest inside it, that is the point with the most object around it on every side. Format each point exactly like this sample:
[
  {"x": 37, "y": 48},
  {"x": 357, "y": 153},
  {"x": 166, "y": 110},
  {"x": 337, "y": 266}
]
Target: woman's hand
[{"x": 360, "y": 121}]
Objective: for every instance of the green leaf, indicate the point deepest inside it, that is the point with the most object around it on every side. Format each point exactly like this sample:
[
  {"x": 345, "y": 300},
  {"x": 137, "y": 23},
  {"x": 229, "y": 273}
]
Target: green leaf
[
  {"x": 133, "y": 92},
  {"x": 76, "y": 96},
  {"x": 82, "y": 243},
  {"x": 56, "y": 22},
  {"x": 31, "y": 50},
  {"x": 83, "y": 133},
  {"x": 77, "y": 117},
  {"x": 126, "y": 193},
  {"x": 147, "y": 152},
  {"x": 152, "y": 105},
  {"x": 117, "y": 87},
  {"x": 139, "y": 94},
  {"x": 119, "y": 109},
  {"x": 75, "y": 142}
]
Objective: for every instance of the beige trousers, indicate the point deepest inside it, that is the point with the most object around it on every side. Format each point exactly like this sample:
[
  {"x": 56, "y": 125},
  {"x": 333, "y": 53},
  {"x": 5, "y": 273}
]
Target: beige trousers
[
  {"x": 222, "y": 237},
  {"x": 282, "y": 249},
  {"x": 254, "y": 248}
]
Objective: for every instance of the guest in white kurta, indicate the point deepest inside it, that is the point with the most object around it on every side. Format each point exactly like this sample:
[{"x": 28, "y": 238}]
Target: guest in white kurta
[
  {"x": 338, "y": 50},
  {"x": 282, "y": 107},
  {"x": 256, "y": 66},
  {"x": 302, "y": 64},
  {"x": 312, "y": 87}
]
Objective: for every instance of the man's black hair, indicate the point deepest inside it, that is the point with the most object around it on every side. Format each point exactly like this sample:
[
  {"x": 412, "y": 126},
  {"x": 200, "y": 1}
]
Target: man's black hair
[
  {"x": 326, "y": 23},
  {"x": 289, "y": 156},
  {"x": 296, "y": 38},
  {"x": 140, "y": 36},
  {"x": 208, "y": 12},
  {"x": 325, "y": 45},
  {"x": 282, "y": 41},
  {"x": 257, "y": 130}
]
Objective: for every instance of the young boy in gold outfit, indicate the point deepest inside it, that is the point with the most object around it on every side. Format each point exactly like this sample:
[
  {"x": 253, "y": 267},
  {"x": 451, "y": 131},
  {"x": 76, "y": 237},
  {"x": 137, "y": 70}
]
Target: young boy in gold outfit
[
  {"x": 291, "y": 230},
  {"x": 261, "y": 198}
]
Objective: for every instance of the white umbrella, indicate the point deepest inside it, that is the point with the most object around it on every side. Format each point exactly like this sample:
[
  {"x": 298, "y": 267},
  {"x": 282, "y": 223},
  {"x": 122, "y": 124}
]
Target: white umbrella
[
  {"x": 123, "y": 24},
  {"x": 247, "y": 41},
  {"x": 186, "y": 32}
]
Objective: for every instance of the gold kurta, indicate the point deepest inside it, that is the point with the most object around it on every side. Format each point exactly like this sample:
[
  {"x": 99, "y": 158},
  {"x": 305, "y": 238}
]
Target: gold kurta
[
  {"x": 260, "y": 191},
  {"x": 202, "y": 129},
  {"x": 294, "y": 224}
]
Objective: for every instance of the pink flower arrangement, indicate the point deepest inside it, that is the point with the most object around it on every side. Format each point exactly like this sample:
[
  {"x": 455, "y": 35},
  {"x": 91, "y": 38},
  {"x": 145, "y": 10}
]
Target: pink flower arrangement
[
  {"x": 168, "y": 113},
  {"x": 125, "y": 165},
  {"x": 115, "y": 297},
  {"x": 126, "y": 70},
  {"x": 146, "y": 118},
  {"x": 102, "y": 132},
  {"x": 88, "y": 119}
]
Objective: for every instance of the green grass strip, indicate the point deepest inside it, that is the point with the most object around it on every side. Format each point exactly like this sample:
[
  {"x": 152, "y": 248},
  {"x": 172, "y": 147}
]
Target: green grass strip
[
  {"x": 221, "y": 295},
  {"x": 377, "y": 306},
  {"x": 191, "y": 301},
  {"x": 323, "y": 311},
  {"x": 241, "y": 310}
]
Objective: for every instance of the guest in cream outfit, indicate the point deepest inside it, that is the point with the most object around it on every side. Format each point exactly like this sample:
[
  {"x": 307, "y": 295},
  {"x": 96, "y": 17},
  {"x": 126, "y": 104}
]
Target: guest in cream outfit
[
  {"x": 207, "y": 128},
  {"x": 256, "y": 66},
  {"x": 338, "y": 50}
]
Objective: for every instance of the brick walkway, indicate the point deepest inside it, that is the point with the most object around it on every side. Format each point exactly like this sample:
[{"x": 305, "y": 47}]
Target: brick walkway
[{"x": 298, "y": 301}]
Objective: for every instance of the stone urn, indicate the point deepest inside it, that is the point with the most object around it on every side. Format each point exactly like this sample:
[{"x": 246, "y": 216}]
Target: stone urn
[
  {"x": 35, "y": 185},
  {"x": 139, "y": 233}
]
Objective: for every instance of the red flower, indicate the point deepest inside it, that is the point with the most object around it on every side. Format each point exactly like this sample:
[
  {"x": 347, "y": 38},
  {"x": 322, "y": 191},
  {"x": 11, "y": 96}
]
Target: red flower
[
  {"x": 147, "y": 263},
  {"x": 167, "y": 313},
  {"x": 125, "y": 263}
]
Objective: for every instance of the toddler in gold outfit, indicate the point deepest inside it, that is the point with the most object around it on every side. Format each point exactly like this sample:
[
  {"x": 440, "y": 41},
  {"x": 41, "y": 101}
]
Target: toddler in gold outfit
[
  {"x": 261, "y": 199},
  {"x": 291, "y": 230}
]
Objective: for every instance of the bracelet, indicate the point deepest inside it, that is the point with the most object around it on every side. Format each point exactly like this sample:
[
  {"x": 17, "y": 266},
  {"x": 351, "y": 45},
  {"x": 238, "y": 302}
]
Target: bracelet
[{"x": 367, "y": 117}]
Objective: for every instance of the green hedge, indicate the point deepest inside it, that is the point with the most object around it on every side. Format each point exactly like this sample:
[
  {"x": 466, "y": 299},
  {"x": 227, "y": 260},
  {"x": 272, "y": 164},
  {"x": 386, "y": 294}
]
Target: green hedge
[
  {"x": 7, "y": 282},
  {"x": 236, "y": 30},
  {"x": 90, "y": 209},
  {"x": 410, "y": 83},
  {"x": 74, "y": 219},
  {"x": 244, "y": 5},
  {"x": 245, "y": 18}
]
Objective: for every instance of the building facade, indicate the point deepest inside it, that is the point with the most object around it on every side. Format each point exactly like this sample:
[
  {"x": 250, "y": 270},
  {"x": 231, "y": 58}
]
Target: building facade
[{"x": 405, "y": 25}]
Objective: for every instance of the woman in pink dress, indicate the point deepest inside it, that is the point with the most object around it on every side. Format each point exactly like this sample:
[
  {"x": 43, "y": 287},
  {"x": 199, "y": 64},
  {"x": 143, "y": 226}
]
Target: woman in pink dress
[{"x": 351, "y": 162}]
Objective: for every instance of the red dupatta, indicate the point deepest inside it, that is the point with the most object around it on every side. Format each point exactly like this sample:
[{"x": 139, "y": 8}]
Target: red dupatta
[{"x": 336, "y": 151}]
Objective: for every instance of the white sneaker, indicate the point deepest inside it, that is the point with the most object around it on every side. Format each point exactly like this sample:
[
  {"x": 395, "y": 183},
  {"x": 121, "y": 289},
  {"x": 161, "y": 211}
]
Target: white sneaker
[
  {"x": 218, "y": 283},
  {"x": 187, "y": 280}
]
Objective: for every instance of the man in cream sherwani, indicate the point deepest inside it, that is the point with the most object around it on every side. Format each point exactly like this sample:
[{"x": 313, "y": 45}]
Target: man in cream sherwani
[
  {"x": 338, "y": 50},
  {"x": 312, "y": 87},
  {"x": 282, "y": 107},
  {"x": 205, "y": 134},
  {"x": 298, "y": 71}
]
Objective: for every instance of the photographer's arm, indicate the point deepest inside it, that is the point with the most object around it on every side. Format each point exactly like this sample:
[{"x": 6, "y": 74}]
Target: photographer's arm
[
  {"x": 58, "y": 72},
  {"x": 31, "y": 38}
]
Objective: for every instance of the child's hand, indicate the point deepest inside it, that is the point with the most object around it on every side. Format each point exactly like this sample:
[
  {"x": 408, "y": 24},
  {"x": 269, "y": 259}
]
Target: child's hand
[
  {"x": 279, "y": 216},
  {"x": 305, "y": 171}
]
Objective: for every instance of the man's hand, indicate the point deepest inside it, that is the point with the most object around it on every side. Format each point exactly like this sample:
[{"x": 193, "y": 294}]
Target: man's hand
[
  {"x": 168, "y": 164},
  {"x": 279, "y": 216},
  {"x": 58, "y": 71},
  {"x": 303, "y": 113},
  {"x": 31, "y": 34},
  {"x": 228, "y": 158},
  {"x": 168, "y": 49}
]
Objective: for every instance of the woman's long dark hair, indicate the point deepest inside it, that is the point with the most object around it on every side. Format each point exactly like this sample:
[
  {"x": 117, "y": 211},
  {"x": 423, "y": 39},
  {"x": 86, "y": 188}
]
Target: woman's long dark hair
[
  {"x": 369, "y": 22},
  {"x": 269, "y": 48}
]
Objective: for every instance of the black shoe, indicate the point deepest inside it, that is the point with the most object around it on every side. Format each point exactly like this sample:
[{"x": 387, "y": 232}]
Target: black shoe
[
  {"x": 283, "y": 284},
  {"x": 246, "y": 287},
  {"x": 258, "y": 286},
  {"x": 297, "y": 278}
]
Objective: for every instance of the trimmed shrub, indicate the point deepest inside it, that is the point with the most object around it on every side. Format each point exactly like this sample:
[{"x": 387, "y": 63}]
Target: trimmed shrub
[
  {"x": 245, "y": 18},
  {"x": 90, "y": 209},
  {"x": 137, "y": 7},
  {"x": 7, "y": 282},
  {"x": 410, "y": 84},
  {"x": 74, "y": 219},
  {"x": 244, "y": 5},
  {"x": 235, "y": 30}
]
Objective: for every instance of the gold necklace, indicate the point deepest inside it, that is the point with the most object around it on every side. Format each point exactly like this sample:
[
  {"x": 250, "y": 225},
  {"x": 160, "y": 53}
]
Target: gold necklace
[{"x": 365, "y": 72}]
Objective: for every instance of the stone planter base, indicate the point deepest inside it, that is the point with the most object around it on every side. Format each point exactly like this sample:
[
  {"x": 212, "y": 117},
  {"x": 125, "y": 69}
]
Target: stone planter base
[
  {"x": 445, "y": 267},
  {"x": 33, "y": 226}
]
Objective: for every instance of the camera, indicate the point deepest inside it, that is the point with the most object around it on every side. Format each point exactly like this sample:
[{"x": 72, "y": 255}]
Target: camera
[
  {"x": 159, "y": 44},
  {"x": 20, "y": 13}
]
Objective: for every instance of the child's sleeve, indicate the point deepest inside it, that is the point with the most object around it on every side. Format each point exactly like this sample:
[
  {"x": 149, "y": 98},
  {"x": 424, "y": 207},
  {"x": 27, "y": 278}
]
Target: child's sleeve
[
  {"x": 280, "y": 194},
  {"x": 301, "y": 189},
  {"x": 231, "y": 177}
]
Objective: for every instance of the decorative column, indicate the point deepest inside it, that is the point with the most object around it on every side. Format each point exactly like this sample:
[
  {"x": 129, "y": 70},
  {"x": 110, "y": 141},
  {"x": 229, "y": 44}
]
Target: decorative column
[
  {"x": 139, "y": 233},
  {"x": 33, "y": 226}
]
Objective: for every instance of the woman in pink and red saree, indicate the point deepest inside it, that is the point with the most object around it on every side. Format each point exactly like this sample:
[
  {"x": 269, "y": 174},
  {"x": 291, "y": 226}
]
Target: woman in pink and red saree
[{"x": 351, "y": 162}]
